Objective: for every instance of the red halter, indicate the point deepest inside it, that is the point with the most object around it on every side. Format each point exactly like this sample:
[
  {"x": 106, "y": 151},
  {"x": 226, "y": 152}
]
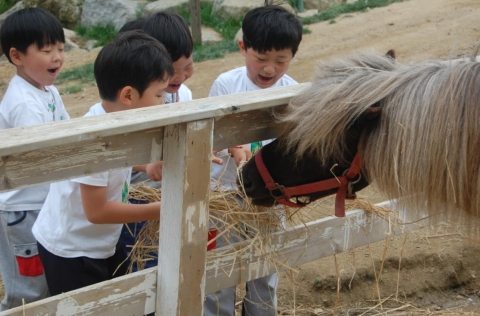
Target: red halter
[{"x": 344, "y": 184}]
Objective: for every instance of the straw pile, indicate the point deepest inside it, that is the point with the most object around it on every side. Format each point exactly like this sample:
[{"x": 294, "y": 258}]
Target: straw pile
[{"x": 235, "y": 220}]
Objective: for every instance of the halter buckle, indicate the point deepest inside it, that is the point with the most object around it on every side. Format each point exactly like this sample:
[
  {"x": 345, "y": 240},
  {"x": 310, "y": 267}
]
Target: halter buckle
[{"x": 278, "y": 188}]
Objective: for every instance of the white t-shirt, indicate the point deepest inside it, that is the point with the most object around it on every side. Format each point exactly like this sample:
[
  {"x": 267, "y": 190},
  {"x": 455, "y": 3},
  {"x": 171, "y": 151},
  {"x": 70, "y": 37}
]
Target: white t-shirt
[
  {"x": 183, "y": 94},
  {"x": 62, "y": 227},
  {"x": 25, "y": 105},
  {"x": 231, "y": 82}
]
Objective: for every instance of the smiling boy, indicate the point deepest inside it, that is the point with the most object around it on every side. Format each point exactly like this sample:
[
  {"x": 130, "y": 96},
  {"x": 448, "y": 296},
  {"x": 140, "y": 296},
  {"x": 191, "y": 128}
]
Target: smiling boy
[
  {"x": 271, "y": 36},
  {"x": 80, "y": 223},
  {"x": 32, "y": 40}
]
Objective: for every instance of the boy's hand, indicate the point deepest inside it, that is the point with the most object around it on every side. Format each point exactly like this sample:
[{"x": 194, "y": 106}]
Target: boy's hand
[
  {"x": 154, "y": 170},
  {"x": 219, "y": 160},
  {"x": 216, "y": 159},
  {"x": 240, "y": 153}
]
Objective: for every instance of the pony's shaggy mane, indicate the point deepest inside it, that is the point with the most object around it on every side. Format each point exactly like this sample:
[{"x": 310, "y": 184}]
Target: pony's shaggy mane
[{"x": 426, "y": 142}]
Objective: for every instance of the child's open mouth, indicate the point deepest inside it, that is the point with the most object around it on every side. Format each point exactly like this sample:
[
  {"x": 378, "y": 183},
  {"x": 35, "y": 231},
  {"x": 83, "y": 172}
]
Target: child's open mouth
[
  {"x": 53, "y": 70},
  {"x": 265, "y": 79}
]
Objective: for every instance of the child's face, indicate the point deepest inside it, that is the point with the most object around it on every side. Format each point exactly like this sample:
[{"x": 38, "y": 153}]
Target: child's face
[
  {"x": 40, "y": 67},
  {"x": 265, "y": 69},
  {"x": 183, "y": 70},
  {"x": 153, "y": 95}
]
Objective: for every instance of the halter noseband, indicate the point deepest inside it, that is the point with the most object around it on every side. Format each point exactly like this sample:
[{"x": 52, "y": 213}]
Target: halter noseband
[{"x": 344, "y": 184}]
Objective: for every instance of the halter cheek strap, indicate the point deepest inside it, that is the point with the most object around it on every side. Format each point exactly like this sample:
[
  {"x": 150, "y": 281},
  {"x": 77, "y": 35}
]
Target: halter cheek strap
[{"x": 344, "y": 184}]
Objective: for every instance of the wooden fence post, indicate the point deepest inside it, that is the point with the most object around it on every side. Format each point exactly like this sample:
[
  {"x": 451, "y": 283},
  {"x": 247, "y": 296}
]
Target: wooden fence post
[{"x": 184, "y": 218}]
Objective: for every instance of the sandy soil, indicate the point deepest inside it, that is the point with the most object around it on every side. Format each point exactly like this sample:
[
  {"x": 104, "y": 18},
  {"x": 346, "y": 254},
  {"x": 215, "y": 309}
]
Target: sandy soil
[{"x": 438, "y": 265}]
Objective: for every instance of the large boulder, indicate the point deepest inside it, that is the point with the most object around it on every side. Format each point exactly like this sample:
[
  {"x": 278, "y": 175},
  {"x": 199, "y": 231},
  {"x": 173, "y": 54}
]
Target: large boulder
[
  {"x": 103, "y": 12},
  {"x": 234, "y": 8},
  {"x": 68, "y": 12},
  {"x": 162, "y": 5},
  {"x": 237, "y": 9},
  {"x": 321, "y": 5}
]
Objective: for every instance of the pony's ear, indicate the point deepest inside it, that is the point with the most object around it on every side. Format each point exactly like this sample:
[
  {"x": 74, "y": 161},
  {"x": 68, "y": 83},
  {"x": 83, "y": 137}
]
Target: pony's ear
[{"x": 390, "y": 53}]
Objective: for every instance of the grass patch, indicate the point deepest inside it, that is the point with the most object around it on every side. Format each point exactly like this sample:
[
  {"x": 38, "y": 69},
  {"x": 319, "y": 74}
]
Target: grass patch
[
  {"x": 103, "y": 34},
  {"x": 83, "y": 74},
  {"x": 5, "y": 5},
  {"x": 335, "y": 11},
  {"x": 214, "y": 51},
  {"x": 227, "y": 28},
  {"x": 71, "y": 89}
]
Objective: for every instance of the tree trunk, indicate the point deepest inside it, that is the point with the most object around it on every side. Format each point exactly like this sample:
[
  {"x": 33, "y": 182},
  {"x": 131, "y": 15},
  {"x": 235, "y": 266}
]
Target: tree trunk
[{"x": 195, "y": 21}]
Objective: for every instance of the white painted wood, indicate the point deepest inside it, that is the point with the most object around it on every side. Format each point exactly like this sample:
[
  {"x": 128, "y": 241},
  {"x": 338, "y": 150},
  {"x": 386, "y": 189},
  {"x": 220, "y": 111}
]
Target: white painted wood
[
  {"x": 19, "y": 140},
  {"x": 184, "y": 218},
  {"x": 115, "y": 140},
  {"x": 134, "y": 294}
]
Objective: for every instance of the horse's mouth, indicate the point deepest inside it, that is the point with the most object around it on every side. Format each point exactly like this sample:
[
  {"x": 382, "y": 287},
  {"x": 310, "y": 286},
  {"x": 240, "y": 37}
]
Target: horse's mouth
[{"x": 266, "y": 202}]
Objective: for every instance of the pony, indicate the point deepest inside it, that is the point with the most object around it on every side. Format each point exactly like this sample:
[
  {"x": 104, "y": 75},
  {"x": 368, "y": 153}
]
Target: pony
[{"x": 416, "y": 129}]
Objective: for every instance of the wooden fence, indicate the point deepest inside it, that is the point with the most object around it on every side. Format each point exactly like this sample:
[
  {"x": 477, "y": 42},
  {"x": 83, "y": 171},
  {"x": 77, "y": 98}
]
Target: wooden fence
[{"x": 183, "y": 136}]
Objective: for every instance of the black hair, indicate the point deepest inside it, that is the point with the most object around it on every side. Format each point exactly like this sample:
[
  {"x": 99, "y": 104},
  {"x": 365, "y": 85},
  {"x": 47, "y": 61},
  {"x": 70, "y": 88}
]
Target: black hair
[
  {"x": 30, "y": 26},
  {"x": 172, "y": 31},
  {"x": 133, "y": 25},
  {"x": 271, "y": 27},
  {"x": 132, "y": 59}
]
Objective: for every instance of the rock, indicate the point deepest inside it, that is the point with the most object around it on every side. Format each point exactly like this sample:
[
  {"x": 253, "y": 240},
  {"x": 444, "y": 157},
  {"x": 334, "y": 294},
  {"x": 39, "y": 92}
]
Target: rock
[
  {"x": 321, "y": 5},
  {"x": 162, "y": 5},
  {"x": 210, "y": 36},
  {"x": 234, "y": 8},
  {"x": 238, "y": 36},
  {"x": 103, "y": 12},
  {"x": 68, "y": 12},
  {"x": 307, "y": 13},
  {"x": 70, "y": 38}
]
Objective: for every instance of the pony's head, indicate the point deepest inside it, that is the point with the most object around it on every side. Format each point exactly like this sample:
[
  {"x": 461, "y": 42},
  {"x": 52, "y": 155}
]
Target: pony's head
[
  {"x": 418, "y": 128},
  {"x": 309, "y": 150}
]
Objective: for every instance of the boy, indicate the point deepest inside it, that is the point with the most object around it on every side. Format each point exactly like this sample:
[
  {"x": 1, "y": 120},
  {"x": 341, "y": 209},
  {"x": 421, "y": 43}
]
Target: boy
[
  {"x": 271, "y": 36},
  {"x": 172, "y": 31},
  {"x": 79, "y": 225},
  {"x": 32, "y": 40}
]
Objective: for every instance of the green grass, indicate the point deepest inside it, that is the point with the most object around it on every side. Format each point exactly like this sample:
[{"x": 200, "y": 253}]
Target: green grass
[
  {"x": 103, "y": 34},
  {"x": 83, "y": 74},
  {"x": 71, "y": 89},
  {"x": 335, "y": 11},
  {"x": 214, "y": 51},
  {"x": 7, "y": 4},
  {"x": 227, "y": 28}
]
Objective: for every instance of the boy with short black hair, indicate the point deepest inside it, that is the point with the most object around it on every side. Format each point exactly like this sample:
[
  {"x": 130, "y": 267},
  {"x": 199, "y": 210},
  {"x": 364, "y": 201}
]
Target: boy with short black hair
[
  {"x": 33, "y": 40},
  {"x": 79, "y": 225},
  {"x": 271, "y": 36}
]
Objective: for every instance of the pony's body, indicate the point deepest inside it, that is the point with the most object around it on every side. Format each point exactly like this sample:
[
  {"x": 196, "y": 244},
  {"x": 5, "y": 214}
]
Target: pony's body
[{"x": 424, "y": 142}]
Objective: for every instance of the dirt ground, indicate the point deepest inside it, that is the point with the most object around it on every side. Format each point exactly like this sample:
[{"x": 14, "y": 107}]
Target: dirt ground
[{"x": 438, "y": 264}]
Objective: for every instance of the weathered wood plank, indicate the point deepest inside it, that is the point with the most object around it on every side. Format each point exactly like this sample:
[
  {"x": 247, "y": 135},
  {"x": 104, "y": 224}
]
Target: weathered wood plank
[
  {"x": 27, "y": 159},
  {"x": 19, "y": 140},
  {"x": 184, "y": 218},
  {"x": 295, "y": 246}
]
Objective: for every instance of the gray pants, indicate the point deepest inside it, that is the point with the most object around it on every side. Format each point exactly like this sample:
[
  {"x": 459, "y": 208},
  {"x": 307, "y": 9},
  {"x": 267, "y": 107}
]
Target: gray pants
[
  {"x": 22, "y": 272},
  {"x": 260, "y": 297}
]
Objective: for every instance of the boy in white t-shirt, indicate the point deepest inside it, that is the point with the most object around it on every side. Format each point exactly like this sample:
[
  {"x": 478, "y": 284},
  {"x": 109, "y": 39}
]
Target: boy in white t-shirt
[
  {"x": 79, "y": 225},
  {"x": 271, "y": 36},
  {"x": 32, "y": 40}
]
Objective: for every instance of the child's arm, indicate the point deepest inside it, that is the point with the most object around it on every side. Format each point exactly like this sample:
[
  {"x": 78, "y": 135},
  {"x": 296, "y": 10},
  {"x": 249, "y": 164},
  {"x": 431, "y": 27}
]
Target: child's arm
[{"x": 100, "y": 211}]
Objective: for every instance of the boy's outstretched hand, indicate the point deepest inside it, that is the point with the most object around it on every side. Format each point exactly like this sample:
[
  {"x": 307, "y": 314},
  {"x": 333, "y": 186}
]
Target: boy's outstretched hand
[
  {"x": 240, "y": 153},
  {"x": 154, "y": 170}
]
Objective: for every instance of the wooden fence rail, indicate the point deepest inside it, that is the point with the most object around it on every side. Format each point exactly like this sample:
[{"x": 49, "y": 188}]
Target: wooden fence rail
[{"x": 183, "y": 136}]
